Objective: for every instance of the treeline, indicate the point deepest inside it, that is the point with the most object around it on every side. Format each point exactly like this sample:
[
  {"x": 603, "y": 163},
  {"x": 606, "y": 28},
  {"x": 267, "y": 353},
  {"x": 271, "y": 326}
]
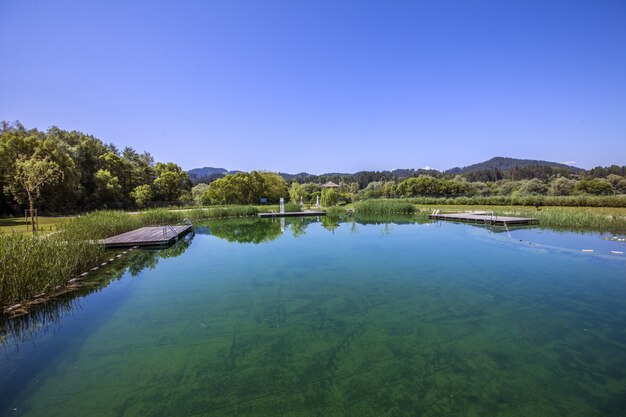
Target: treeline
[
  {"x": 64, "y": 171},
  {"x": 515, "y": 173},
  {"x": 428, "y": 186},
  {"x": 250, "y": 188}
]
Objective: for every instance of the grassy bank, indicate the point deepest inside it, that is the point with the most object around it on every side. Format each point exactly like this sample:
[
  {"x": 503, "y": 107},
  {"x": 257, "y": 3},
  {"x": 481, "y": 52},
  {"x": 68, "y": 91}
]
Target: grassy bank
[{"x": 31, "y": 265}]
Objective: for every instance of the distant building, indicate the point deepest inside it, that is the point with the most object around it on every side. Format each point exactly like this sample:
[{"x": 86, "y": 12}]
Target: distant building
[{"x": 330, "y": 184}]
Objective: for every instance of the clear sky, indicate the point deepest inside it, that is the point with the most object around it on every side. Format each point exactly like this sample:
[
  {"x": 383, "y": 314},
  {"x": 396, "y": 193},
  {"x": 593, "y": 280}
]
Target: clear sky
[{"x": 324, "y": 86}]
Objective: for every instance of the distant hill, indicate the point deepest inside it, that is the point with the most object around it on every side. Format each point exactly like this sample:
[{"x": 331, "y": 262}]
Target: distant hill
[
  {"x": 507, "y": 164},
  {"x": 207, "y": 171}
]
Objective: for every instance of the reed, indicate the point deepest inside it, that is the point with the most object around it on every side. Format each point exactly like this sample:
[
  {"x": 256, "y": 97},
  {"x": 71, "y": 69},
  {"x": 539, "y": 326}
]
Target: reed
[
  {"x": 31, "y": 265},
  {"x": 385, "y": 207},
  {"x": 577, "y": 220}
]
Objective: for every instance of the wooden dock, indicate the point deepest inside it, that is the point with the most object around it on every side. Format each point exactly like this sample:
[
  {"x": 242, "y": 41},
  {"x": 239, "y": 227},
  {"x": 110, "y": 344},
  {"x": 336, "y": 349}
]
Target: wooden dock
[
  {"x": 484, "y": 218},
  {"x": 293, "y": 214},
  {"x": 147, "y": 236}
]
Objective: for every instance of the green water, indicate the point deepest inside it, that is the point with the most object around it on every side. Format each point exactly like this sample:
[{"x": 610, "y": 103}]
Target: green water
[{"x": 300, "y": 318}]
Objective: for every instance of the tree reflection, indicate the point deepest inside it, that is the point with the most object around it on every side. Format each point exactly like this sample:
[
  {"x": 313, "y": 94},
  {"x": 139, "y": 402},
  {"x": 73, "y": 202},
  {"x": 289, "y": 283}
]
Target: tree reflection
[{"x": 243, "y": 230}]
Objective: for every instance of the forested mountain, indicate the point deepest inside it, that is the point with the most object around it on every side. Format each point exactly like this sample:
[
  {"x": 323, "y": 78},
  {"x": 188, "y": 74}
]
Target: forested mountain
[
  {"x": 206, "y": 171},
  {"x": 207, "y": 174},
  {"x": 505, "y": 165}
]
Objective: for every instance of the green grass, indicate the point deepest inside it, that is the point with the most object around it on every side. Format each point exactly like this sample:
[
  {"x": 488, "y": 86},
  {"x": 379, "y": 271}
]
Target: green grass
[{"x": 18, "y": 224}]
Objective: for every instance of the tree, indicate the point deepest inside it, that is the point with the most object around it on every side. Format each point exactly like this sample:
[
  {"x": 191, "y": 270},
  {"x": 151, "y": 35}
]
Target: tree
[
  {"x": 562, "y": 186},
  {"x": 197, "y": 192},
  {"x": 329, "y": 197},
  {"x": 533, "y": 187},
  {"x": 596, "y": 186},
  {"x": 31, "y": 174},
  {"x": 171, "y": 182},
  {"x": 247, "y": 188},
  {"x": 108, "y": 187},
  {"x": 142, "y": 194}
]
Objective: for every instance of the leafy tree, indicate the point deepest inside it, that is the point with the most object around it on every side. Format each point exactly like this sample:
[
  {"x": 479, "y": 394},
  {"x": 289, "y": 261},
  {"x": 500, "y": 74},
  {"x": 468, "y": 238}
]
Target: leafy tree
[
  {"x": 247, "y": 188},
  {"x": 171, "y": 182},
  {"x": 31, "y": 174},
  {"x": 108, "y": 188},
  {"x": 562, "y": 186},
  {"x": 142, "y": 194},
  {"x": 197, "y": 191},
  {"x": 329, "y": 197},
  {"x": 595, "y": 186},
  {"x": 533, "y": 187}
]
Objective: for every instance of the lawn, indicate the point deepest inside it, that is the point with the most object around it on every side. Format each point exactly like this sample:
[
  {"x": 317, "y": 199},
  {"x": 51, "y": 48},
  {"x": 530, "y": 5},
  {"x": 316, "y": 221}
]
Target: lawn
[{"x": 18, "y": 224}]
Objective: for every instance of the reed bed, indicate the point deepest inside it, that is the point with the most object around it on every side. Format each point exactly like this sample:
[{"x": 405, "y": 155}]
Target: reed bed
[
  {"x": 31, "y": 265},
  {"x": 385, "y": 207},
  {"x": 581, "y": 220}
]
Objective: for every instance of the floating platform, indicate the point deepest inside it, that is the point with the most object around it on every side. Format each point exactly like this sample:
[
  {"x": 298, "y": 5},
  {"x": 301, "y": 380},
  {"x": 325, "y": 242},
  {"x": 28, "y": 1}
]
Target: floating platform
[
  {"x": 484, "y": 218},
  {"x": 294, "y": 214},
  {"x": 147, "y": 236}
]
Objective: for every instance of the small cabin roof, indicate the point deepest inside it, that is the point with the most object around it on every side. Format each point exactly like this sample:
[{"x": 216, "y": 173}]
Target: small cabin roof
[{"x": 330, "y": 184}]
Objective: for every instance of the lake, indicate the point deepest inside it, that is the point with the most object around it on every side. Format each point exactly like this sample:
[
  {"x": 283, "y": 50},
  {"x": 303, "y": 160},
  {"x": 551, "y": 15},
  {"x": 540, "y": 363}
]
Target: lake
[{"x": 320, "y": 317}]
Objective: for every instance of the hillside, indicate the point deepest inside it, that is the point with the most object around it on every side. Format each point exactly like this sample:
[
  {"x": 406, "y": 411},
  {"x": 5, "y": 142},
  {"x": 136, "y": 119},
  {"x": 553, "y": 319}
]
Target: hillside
[{"x": 507, "y": 164}]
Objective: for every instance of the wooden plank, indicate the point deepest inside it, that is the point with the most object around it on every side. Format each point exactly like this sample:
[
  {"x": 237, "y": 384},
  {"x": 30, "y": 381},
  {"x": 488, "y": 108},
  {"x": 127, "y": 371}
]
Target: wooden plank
[
  {"x": 484, "y": 218},
  {"x": 147, "y": 236}
]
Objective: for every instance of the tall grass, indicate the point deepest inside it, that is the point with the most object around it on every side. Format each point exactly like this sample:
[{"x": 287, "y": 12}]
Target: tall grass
[
  {"x": 100, "y": 225},
  {"x": 385, "y": 207},
  {"x": 580, "y": 220},
  {"x": 31, "y": 265}
]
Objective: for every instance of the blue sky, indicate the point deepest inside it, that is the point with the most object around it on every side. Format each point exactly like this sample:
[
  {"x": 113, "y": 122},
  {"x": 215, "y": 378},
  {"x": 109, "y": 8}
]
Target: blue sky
[{"x": 324, "y": 86}]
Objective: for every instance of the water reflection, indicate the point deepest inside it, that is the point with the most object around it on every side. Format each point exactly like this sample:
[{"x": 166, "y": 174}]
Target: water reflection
[
  {"x": 43, "y": 317},
  {"x": 253, "y": 230}
]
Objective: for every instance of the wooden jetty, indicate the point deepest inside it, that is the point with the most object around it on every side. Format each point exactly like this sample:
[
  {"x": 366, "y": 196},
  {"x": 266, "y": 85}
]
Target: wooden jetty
[
  {"x": 294, "y": 214},
  {"x": 147, "y": 236},
  {"x": 483, "y": 218}
]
